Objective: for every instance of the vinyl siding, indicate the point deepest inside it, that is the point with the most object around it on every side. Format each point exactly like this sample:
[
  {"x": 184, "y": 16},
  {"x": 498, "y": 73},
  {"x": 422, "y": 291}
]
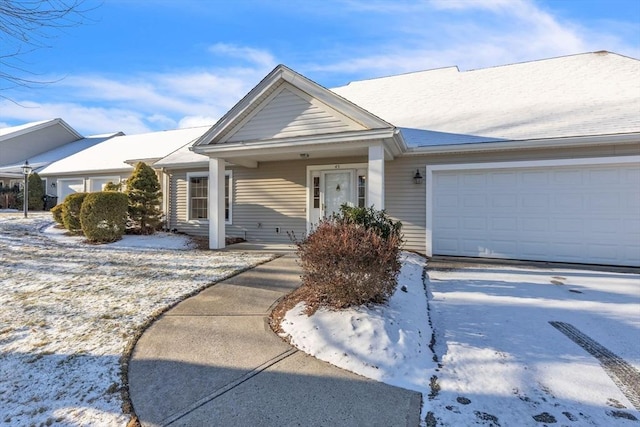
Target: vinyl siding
[
  {"x": 288, "y": 115},
  {"x": 178, "y": 217},
  {"x": 274, "y": 194}
]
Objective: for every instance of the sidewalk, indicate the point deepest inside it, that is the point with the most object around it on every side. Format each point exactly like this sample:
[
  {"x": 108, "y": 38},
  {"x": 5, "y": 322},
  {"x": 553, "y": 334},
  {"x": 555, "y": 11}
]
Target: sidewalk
[{"x": 213, "y": 361}]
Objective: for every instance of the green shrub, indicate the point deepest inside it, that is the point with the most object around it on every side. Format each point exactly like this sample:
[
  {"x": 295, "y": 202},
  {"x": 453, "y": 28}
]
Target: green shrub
[
  {"x": 143, "y": 189},
  {"x": 110, "y": 186},
  {"x": 370, "y": 218},
  {"x": 71, "y": 212},
  {"x": 346, "y": 263},
  {"x": 36, "y": 192},
  {"x": 56, "y": 211},
  {"x": 104, "y": 216}
]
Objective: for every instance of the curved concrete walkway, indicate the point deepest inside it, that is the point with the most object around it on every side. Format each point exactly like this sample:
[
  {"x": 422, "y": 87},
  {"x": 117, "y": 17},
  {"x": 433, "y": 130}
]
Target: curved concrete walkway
[{"x": 213, "y": 361}]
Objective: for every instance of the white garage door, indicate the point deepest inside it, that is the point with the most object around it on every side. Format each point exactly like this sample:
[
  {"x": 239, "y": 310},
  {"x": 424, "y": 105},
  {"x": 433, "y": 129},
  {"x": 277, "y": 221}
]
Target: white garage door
[
  {"x": 582, "y": 213},
  {"x": 68, "y": 186}
]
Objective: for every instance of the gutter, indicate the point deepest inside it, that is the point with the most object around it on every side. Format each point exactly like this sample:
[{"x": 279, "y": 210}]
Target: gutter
[{"x": 573, "y": 141}]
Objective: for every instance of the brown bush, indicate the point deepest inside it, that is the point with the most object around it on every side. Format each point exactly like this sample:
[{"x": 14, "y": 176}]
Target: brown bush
[{"x": 347, "y": 264}]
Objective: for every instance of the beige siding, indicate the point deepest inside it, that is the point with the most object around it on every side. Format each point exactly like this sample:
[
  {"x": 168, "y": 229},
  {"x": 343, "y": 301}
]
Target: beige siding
[
  {"x": 288, "y": 115},
  {"x": 274, "y": 194},
  {"x": 178, "y": 216}
]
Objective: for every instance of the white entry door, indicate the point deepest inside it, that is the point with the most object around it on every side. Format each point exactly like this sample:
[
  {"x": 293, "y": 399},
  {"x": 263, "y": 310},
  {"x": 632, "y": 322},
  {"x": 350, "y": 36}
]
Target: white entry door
[
  {"x": 337, "y": 191},
  {"x": 329, "y": 190}
]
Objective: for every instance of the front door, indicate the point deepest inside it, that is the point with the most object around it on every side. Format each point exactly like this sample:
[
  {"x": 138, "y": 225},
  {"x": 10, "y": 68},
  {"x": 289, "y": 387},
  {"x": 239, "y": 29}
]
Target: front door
[
  {"x": 331, "y": 188},
  {"x": 337, "y": 191}
]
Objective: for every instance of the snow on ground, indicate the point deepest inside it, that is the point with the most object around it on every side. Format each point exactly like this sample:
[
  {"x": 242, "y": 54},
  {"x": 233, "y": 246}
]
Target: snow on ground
[
  {"x": 69, "y": 309},
  {"x": 500, "y": 362},
  {"x": 499, "y": 351},
  {"x": 388, "y": 343}
]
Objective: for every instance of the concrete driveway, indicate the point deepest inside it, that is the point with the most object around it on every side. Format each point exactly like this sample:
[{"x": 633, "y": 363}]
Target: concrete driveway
[{"x": 532, "y": 344}]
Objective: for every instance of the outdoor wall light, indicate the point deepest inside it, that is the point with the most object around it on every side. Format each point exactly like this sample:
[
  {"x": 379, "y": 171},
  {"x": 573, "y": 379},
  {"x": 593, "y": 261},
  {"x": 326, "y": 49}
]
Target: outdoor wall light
[
  {"x": 417, "y": 178},
  {"x": 26, "y": 171}
]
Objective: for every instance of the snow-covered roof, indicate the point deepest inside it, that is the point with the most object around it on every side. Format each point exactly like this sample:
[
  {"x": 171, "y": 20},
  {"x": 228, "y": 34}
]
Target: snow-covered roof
[
  {"x": 111, "y": 154},
  {"x": 13, "y": 131},
  {"x": 183, "y": 156},
  {"x": 579, "y": 95},
  {"x": 43, "y": 160}
]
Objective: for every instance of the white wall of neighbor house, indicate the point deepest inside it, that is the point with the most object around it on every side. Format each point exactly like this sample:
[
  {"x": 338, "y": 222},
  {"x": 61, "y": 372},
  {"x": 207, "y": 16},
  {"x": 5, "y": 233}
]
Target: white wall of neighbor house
[{"x": 62, "y": 186}]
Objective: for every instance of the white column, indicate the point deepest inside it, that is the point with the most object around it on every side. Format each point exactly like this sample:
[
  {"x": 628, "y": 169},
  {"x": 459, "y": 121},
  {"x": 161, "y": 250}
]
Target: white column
[
  {"x": 375, "y": 177},
  {"x": 216, "y": 204}
]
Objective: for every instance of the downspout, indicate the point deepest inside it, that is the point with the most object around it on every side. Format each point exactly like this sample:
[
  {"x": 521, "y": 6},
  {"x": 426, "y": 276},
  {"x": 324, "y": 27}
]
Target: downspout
[{"x": 166, "y": 197}]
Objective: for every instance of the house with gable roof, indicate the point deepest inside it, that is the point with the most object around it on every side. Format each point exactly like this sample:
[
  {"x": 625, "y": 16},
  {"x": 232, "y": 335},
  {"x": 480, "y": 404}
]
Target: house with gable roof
[
  {"x": 533, "y": 161},
  {"x": 41, "y": 144},
  {"x": 114, "y": 159}
]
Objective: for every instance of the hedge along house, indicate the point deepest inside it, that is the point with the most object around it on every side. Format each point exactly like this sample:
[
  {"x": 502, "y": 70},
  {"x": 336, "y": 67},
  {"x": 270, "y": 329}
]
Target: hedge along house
[
  {"x": 113, "y": 160},
  {"x": 534, "y": 161}
]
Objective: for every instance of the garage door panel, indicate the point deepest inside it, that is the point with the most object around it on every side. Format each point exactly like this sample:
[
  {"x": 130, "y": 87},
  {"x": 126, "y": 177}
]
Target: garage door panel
[
  {"x": 603, "y": 177},
  {"x": 473, "y": 180},
  {"x": 501, "y": 179},
  {"x": 472, "y": 224},
  {"x": 507, "y": 201},
  {"x": 567, "y": 177},
  {"x": 533, "y": 249},
  {"x": 534, "y": 225},
  {"x": 534, "y": 202},
  {"x": 474, "y": 200},
  {"x": 447, "y": 200},
  {"x": 502, "y": 224},
  {"x": 566, "y": 202},
  {"x": 584, "y": 213}
]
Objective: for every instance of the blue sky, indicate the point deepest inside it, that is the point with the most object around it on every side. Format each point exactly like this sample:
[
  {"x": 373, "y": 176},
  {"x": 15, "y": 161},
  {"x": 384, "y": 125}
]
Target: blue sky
[{"x": 144, "y": 65}]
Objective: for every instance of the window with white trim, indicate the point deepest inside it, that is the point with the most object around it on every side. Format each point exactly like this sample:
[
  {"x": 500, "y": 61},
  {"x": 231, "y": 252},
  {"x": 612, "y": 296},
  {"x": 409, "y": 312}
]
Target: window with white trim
[{"x": 198, "y": 196}]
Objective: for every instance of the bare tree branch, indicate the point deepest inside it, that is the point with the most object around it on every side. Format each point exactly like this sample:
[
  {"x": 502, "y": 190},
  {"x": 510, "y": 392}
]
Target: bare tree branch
[{"x": 29, "y": 25}]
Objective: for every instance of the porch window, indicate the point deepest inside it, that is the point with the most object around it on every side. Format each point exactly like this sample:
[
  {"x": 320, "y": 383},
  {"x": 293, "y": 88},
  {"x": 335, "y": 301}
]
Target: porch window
[{"x": 198, "y": 196}]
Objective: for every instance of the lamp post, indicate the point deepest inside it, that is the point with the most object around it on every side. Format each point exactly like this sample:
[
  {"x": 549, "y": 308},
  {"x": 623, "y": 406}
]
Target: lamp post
[{"x": 26, "y": 170}]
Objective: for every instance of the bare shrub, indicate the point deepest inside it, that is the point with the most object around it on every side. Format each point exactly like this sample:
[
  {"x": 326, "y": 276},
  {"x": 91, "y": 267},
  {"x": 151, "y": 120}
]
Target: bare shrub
[{"x": 347, "y": 264}]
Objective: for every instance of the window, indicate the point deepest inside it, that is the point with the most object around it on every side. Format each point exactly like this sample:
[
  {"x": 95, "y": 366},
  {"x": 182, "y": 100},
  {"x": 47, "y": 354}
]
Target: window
[
  {"x": 316, "y": 192},
  {"x": 362, "y": 190},
  {"x": 198, "y": 196}
]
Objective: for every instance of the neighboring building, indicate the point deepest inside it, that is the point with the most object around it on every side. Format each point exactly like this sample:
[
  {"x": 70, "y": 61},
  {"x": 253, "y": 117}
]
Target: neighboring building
[
  {"x": 534, "y": 161},
  {"x": 20, "y": 143},
  {"x": 113, "y": 160}
]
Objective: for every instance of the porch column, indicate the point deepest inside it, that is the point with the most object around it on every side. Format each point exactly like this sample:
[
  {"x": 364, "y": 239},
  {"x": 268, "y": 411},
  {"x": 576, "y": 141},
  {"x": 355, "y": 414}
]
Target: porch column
[
  {"x": 375, "y": 186},
  {"x": 216, "y": 204}
]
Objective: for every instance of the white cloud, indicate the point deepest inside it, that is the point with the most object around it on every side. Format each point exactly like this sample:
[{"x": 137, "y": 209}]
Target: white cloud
[
  {"x": 258, "y": 57},
  {"x": 194, "y": 121},
  {"x": 94, "y": 103},
  {"x": 469, "y": 34}
]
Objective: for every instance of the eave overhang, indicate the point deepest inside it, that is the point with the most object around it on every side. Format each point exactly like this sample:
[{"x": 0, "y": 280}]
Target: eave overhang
[{"x": 561, "y": 142}]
